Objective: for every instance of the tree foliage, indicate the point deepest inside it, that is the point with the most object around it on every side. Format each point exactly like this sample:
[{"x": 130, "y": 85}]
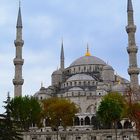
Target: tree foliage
[
  {"x": 8, "y": 127},
  {"x": 133, "y": 109},
  {"x": 111, "y": 108},
  {"x": 59, "y": 111},
  {"x": 26, "y": 110}
]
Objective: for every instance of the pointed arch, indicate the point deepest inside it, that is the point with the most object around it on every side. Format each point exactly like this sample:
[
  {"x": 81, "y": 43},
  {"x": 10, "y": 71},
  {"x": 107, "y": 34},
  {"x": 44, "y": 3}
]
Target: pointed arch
[
  {"x": 76, "y": 121},
  {"x": 91, "y": 109},
  {"x": 87, "y": 120}
]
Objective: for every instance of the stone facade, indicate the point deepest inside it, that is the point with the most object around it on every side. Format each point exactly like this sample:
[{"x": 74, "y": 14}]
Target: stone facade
[
  {"x": 84, "y": 82},
  {"x": 83, "y": 135}
]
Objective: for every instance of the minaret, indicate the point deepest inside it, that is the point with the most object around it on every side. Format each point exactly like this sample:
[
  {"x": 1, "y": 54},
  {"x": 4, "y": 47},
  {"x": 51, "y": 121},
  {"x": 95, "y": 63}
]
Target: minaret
[
  {"x": 132, "y": 49},
  {"x": 18, "y": 61},
  {"x": 62, "y": 63}
]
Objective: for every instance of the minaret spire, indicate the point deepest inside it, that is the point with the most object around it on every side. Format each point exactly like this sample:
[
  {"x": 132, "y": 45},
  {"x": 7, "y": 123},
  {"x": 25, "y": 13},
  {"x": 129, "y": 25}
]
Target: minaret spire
[
  {"x": 132, "y": 49},
  {"x": 18, "y": 61},
  {"x": 62, "y": 58},
  {"x": 19, "y": 19},
  {"x": 129, "y": 6}
]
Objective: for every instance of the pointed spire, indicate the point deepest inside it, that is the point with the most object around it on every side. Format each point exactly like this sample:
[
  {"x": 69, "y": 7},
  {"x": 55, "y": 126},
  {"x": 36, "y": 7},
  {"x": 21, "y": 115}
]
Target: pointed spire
[
  {"x": 62, "y": 63},
  {"x": 129, "y": 5},
  {"x": 62, "y": 50},
  {"x": 87, "y": 52},
  {"x": 19, "y": 20}
]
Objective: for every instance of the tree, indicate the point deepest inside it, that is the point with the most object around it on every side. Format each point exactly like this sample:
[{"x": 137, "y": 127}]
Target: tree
[
  {"x": 8, "y": 127},
  {"x": 59, "y": 111},
  {"x": 133, "y": 109},
  {"x": 26, "y": 110},
  {"x": 111, "y": 110}
]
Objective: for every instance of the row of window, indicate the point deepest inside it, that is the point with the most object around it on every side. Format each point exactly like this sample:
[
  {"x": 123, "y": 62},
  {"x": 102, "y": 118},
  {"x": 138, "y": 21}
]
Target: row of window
[
  {"x": 85, "y": 69},
  {"x": 93, "y": 121},
  {"x": 79, "y": 83},
  {"x": 89, "y": 95}
]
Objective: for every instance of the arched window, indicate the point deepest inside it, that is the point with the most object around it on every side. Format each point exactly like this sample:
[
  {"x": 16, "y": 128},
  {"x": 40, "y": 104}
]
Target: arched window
[
  {"x": 46, "y": 122},
  {"x": 127, "y": 125},
  {"x": 82, "y": 121},
  {"x": 79, "y": 68},
  {"x": 95, "y": 122},
  {"x": 119, "y": 125},
  {"x": 87, "y": 120},
  {"x": 76, "y": 121},
  {"x": 84, "y": 68}
]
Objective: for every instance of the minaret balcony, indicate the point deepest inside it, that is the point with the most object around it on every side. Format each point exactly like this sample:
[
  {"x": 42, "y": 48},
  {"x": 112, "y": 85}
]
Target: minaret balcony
[
  {"x": 131, "y": 28},
  {"x": 133, "y": 70},
  {"x": 18, "y": 81},
  {"x": 18, "y": 61},
  {"x": 132, "y": 49},
  {"x": 19, "y": 43}
]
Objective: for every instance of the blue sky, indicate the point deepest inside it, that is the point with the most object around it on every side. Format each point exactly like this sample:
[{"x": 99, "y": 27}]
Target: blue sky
[{"x": 99, "y": 23}]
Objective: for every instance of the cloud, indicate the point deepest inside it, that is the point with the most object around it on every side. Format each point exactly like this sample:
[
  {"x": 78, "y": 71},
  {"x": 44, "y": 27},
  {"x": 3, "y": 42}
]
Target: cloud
[{"x": 100, "y": 23}]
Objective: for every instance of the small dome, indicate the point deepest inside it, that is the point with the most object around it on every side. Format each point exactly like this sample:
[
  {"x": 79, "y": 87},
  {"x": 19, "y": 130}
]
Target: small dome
[
  {"x": 80, "y": 77},
  {"x": 57, "y": 72},
  {"x": 86, "y": 60},
  {"x": 107, "y": 67},
  {"x": 42, "y": 90},
  {"x": 76, "y": 89}
]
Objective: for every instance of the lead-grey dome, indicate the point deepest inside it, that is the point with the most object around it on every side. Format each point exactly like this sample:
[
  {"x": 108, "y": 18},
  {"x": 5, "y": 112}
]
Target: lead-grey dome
[
  {"x": 84, "y": 60},
  {"x": 80, "y": 77},
  {"x": 107, "y": 67}
]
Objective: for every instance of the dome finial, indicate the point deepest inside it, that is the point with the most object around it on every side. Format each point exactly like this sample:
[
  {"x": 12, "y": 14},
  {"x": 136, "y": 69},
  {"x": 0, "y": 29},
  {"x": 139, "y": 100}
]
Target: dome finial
[
  {"x": 41, "y": 84},
  {"x": 87, "y": 52}
]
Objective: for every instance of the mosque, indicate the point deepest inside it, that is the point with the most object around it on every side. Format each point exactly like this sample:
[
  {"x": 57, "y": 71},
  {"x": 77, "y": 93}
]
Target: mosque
[{"x": 84, "y": 82}]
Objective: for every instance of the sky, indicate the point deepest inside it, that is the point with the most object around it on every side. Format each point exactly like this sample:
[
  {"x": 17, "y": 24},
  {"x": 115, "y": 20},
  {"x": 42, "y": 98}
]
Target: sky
[{"x": 99, "y": 23}]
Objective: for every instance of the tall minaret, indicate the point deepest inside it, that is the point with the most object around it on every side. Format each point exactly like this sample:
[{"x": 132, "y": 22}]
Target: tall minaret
[
  {"x": 62, "y": 63},
  {"x": 132, "y": 49},
  {"x": 18, "y": 61}
]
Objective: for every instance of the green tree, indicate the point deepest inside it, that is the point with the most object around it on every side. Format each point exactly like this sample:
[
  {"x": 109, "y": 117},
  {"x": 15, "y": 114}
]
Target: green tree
[
  {"x": 111, "y": 109},
  {"x": 26, "y": 110},
  {"x": 8, "y": 127},
  {"x": 59, "y": 111}
]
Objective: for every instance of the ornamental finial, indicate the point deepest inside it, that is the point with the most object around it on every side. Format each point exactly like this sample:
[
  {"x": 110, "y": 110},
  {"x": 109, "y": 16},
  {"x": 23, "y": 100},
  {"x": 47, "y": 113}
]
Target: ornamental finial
[{"x": 87, "y": 52}]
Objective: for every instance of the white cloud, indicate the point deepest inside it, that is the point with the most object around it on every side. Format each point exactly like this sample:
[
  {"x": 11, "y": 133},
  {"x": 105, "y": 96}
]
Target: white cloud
[{"x": 101, "y": 23}]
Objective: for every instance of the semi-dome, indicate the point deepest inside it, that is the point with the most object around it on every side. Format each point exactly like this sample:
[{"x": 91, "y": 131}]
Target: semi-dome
[
  {"x": 80, "y": 77},
  {"x": 86, "y": 60},
  {"x": 107, "y": 67}
]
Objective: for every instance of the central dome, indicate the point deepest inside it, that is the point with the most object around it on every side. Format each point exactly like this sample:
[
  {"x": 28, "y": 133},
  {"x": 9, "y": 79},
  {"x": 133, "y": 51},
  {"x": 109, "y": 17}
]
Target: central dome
[{"x": 86, "y": 60}]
